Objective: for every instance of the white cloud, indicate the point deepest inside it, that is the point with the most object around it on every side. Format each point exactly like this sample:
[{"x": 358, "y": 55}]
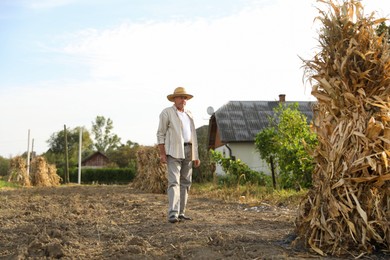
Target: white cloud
[{"x": 251, "y": 44}]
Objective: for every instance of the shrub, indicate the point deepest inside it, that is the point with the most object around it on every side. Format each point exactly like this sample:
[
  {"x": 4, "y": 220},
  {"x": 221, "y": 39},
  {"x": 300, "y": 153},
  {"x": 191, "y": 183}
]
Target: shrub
[
  {"x": 237, "y": 172},
  {"x": 103, "y": 175}
]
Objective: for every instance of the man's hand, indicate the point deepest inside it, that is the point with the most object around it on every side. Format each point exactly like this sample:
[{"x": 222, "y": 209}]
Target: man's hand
[
  {"x": 163, "y": 158},
  {"x": 196, "y": 163}
]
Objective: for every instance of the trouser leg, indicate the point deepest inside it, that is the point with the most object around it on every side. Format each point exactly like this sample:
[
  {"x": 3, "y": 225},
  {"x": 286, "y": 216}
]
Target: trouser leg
[
  {"x": 174, "y": 167},
  {"x": 185, "y": 180}
]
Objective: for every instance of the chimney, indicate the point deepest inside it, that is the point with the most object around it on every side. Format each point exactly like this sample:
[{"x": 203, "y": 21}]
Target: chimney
[{"x": 282, "y": 98}]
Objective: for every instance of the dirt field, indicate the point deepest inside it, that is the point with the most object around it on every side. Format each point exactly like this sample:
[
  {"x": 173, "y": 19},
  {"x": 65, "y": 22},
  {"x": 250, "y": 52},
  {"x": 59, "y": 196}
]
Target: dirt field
[{"x": 117, "y": 222}]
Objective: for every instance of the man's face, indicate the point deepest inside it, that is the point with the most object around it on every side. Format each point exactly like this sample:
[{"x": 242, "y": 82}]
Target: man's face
[{"x": 180, "y": 101}]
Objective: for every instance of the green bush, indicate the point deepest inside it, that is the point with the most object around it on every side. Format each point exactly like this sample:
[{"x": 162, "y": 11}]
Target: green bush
[
  {"x": 4, "y": 166},
  {"x": 238, "y": 172},
  {"x": 103, "y": 175}
]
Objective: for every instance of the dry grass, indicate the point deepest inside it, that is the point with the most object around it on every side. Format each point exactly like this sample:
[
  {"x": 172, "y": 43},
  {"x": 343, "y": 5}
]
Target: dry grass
[{"x": 250, "y": 194}]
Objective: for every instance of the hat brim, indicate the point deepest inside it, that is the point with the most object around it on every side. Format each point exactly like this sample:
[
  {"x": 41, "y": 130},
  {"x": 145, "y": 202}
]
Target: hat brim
[{"x": 172, "y": 96}]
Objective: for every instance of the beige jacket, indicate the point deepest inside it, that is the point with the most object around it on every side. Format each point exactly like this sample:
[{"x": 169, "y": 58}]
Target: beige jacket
[{"x": 170, "y": 134}]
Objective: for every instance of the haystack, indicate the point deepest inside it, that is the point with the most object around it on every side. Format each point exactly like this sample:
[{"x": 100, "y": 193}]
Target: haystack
[
  {"x": 44, "y": 174},
  {"x": 348, "y": 209},
  {"x": 151, "y": 174},
  {"x": 17, "y": 172},
  {"x": 41, "y": 173}
]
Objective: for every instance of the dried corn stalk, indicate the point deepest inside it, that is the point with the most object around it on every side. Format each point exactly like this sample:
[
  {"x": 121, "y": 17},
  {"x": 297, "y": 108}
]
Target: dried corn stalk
[
  {"x": 348, "y": 209},
  {"x": 151, "y": 174}
]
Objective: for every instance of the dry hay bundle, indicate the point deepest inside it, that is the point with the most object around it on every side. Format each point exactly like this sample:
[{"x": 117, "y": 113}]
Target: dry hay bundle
[
  {"x": 151, "y": 174},
  {"x": 41, "y": 173},
  {"x": 17, "y": 172},
  {"x": 44, "y": 174},
  {"x": 348, "y": 209},
  {"x": 54, "y": 177}
]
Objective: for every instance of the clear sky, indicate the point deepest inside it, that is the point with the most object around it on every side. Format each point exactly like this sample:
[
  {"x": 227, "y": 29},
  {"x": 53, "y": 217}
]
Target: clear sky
[{"x": 64, "y": 62}]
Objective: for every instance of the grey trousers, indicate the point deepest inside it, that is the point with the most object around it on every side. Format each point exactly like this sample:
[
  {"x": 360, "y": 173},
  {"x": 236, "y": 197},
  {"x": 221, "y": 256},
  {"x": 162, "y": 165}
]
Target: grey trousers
[{"x": 179, "y": 182}]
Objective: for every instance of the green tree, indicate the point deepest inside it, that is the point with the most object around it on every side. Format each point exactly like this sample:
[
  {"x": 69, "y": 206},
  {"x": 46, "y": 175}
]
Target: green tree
[
  {"x": 289, "y": 141},
  {"x": 125, "y": 155},
  {"x": 105, "y": 140},
  {"x": 266, "y": 143},
  {"x": 55, "y": 153}
]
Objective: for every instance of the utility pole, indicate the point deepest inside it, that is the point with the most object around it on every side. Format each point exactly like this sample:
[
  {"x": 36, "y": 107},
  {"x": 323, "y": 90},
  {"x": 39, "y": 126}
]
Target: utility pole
[
  {"x": 28, "y": 154},
  {"x": 66, "y": 156},
  {"x": 32, "y": 149},
  {"x": 80, "y": 151}
]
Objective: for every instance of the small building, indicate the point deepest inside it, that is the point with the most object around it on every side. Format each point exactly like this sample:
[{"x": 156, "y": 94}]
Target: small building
[
  {"x": 95, "y": 160},
  {"x": 234, "y": 126}
]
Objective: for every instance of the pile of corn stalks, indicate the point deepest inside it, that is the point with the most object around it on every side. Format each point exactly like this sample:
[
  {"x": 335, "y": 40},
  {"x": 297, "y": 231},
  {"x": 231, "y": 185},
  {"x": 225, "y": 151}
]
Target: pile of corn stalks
[
  {"x": 44, "y": 174},
  {"x": 347, "y": 212},
  {"x": 17, "y": 172},
  {"x": 41, "y": 173},
  {"x": 151, "y": 174}
]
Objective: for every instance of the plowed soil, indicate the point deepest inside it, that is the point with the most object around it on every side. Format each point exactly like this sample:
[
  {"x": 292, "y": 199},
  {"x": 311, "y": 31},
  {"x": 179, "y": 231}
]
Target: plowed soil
[{"x": 119, "y": 222}]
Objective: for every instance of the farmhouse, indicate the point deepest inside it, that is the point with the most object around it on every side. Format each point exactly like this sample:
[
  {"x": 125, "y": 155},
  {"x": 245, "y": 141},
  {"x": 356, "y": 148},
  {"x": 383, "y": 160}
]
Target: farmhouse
[
  {"x": 233, "y": 128},
  {"x": 95, "y": 160}
]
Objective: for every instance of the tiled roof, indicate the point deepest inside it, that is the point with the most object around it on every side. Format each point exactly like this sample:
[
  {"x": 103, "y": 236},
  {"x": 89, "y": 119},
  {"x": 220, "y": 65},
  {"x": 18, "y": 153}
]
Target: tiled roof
[{"x": 240, "y": 121}]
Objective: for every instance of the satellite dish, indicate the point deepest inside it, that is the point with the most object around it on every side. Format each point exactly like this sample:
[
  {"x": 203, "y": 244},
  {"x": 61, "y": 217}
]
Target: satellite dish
[{"x": 210, "y": 111}]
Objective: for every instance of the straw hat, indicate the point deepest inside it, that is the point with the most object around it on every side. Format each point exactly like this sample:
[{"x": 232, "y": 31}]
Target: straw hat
[{"x": 180, "y": 91}]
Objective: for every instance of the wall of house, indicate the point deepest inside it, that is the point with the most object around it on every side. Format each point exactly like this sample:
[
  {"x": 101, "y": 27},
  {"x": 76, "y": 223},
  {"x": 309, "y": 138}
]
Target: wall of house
[
  {"x": 96, "y": 161},
  {"x": 247, "y": 153}
]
